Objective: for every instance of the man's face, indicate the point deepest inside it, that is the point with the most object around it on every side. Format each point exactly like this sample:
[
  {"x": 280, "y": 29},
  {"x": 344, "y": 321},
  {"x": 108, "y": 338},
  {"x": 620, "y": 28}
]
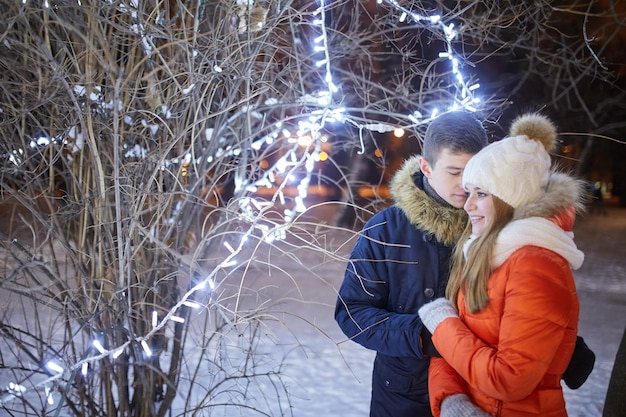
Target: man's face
[{"x": 445, "y": 177}]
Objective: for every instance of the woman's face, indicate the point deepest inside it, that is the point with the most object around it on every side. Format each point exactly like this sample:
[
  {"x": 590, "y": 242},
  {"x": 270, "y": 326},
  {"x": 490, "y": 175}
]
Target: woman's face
[{"x": 479, "y": 207}]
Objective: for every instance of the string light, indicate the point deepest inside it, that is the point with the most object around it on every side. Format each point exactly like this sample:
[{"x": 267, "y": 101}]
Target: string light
[
  {"x": 49, "y": 397},
  {"x": 191, "y": 304},
  {"x": 55, "y": 367},
  {"x": 98, "y": 346},
  {"x": 146, "y": 348},
  {"x": 285, "y": 168}
]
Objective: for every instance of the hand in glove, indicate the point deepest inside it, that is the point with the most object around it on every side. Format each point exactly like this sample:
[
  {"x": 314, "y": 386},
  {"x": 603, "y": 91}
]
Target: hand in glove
[
  {"x": 580, "y": 366},
  {"x": 433, "y": 313},
  {"x": 457, "y": 405},
  {"x": 428, "y": 348}
]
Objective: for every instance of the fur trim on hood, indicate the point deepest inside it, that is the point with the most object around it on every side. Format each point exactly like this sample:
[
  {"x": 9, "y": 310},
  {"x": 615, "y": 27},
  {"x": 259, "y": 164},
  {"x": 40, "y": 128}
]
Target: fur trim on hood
[
  {"x": 563, "y": 192},
  {"x": 445, "y": 223}
]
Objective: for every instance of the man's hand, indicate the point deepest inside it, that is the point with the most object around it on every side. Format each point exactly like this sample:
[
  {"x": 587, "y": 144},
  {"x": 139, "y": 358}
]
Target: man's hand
[{"x": 428, "y": 348}]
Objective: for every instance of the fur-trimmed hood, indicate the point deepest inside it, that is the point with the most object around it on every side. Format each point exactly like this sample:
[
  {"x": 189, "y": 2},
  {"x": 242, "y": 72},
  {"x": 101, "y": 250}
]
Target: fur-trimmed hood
[
  {"x": 563, "y": 193},
  {"x": 445, "y": 223}
]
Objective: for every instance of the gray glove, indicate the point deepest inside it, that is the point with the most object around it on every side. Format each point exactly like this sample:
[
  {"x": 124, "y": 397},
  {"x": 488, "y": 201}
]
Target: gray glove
[
  {"x": 433, "y": 313},
  {"x": 459, "y": 405}
]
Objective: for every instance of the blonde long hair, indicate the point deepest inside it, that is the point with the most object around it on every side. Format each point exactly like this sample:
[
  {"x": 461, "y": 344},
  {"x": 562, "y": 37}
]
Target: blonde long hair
[{"x": 470, "y": 273}]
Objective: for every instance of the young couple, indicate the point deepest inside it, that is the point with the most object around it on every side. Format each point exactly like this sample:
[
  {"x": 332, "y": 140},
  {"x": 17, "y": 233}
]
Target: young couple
[{"x": 496, "y": 318}]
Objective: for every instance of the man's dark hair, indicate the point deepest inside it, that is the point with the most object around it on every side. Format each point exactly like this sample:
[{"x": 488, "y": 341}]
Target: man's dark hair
[{"x": 458, "y": 131}]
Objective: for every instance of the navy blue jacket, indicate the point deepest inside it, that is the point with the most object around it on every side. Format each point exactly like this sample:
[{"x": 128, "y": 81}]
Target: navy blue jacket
[{"x": 400, "y": 261}]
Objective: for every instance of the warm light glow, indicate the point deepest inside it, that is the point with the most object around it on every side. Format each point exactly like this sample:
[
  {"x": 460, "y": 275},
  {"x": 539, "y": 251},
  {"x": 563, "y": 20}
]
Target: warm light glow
[
  {"x": 305, "y": 141},
  {"x": 398, "y": 132}
]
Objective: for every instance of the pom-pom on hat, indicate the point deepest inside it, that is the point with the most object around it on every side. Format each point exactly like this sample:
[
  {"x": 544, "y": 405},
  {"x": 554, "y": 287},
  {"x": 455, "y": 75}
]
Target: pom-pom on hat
[{"x": 515, "y": 169}]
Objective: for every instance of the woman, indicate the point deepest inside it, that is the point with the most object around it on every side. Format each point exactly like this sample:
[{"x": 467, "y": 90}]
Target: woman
[{"x": 508, "y": 328}]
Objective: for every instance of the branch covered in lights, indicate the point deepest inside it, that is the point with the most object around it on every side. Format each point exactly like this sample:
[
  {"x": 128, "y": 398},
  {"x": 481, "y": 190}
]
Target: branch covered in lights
[
  {"x": 326, "y": 112},
  {"x": 304, "y": 142}
]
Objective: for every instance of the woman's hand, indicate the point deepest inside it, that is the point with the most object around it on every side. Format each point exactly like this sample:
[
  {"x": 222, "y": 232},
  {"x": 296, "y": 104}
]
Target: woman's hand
[
  {"x": 433, "y": 313},
  {"x": 460, "y": 405}
]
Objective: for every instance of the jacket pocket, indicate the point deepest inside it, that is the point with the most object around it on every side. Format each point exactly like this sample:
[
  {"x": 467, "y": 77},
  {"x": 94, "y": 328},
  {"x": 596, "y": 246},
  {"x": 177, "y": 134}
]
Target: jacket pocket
[{"x": 394, "y": 382}]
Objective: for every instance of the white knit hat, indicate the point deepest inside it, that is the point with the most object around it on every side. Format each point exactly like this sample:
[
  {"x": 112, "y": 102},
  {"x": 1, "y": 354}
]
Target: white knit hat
[{"x": 515, "y": 169}]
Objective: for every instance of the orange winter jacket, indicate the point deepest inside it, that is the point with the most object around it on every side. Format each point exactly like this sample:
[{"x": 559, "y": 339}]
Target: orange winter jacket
[{"x": 510, "y": 356}]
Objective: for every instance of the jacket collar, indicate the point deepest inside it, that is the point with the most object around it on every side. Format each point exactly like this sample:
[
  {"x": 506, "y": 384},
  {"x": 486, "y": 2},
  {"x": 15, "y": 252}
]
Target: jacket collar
[{"x": 446, "y": 223}]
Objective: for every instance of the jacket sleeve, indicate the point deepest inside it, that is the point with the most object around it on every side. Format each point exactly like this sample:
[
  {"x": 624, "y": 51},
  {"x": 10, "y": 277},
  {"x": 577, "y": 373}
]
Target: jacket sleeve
[
  {"x": 532, "y": 326},
  {"x": 443, "y": 381},
  {"x": 362, "y": 310}
]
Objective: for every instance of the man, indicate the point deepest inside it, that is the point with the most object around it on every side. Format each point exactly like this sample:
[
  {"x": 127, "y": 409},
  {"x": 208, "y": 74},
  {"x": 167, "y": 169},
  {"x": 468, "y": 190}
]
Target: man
[{"x": 401, "y": 261}]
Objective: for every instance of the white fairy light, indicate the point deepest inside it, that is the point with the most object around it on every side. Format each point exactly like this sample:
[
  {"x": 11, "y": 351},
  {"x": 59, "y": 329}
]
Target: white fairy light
[
  {"x": 49, "y": 397},
  {"x": 208, "y": 281},
  {"x": 229, "y": 247},
  {"x": 55, "y": 367},
  {"x": 96, "y": 343},
  {"x": 16, "y": 389},
  {"x": 191, "y": 304},
  {"x": 146, "y": 348}
]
